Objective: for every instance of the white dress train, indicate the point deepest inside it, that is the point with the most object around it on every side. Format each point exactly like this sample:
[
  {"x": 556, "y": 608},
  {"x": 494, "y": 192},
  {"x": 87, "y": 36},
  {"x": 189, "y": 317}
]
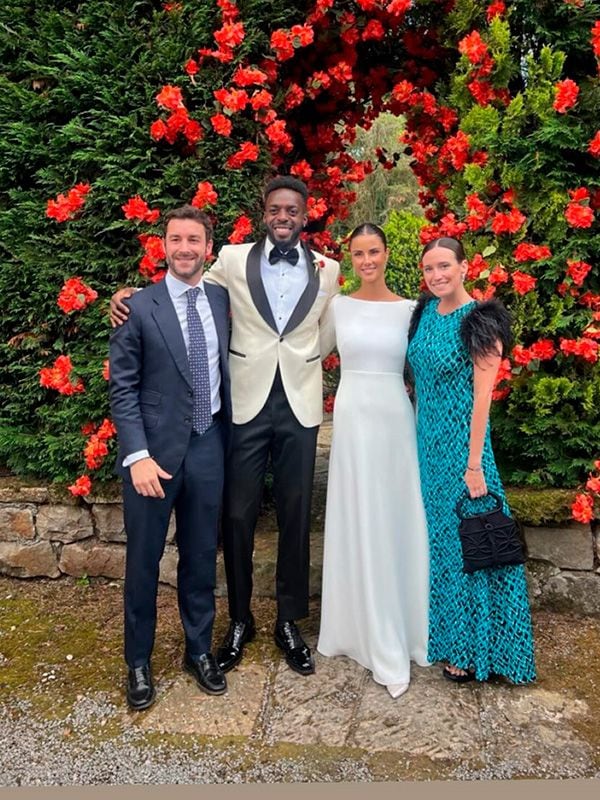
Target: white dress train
[{"x": 374, "y": 603}]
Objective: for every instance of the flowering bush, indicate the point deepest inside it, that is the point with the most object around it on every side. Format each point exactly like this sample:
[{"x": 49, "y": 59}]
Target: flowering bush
[{"x": 500, "y": 102}]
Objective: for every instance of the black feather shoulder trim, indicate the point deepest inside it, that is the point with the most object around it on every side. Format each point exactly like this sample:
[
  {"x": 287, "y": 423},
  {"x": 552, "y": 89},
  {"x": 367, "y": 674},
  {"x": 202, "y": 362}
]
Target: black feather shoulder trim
[
  {"x": 485, "y": 325},
  {"x": 422, "y": 301}
]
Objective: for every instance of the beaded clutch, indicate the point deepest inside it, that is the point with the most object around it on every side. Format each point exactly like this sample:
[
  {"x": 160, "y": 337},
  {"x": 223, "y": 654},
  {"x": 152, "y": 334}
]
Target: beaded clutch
[{"x": 489, "y": 538}]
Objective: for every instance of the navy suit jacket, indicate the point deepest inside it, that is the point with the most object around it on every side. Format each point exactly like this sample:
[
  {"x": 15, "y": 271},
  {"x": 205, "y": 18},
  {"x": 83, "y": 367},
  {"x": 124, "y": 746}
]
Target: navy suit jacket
[{"x": 150, "y": 381}]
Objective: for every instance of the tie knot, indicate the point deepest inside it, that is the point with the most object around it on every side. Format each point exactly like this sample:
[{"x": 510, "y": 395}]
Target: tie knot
[
  {"x": 192, "y": 295},
  {"x": 278, "y": 255}
]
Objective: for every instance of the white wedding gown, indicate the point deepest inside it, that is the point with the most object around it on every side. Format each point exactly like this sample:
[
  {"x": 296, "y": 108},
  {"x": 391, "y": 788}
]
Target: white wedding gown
[{"x": 374, "y": 602}]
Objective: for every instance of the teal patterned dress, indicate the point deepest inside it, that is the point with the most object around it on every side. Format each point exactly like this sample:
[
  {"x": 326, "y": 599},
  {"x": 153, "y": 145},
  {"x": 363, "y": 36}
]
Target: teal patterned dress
[{"x": 478, "y": 621}]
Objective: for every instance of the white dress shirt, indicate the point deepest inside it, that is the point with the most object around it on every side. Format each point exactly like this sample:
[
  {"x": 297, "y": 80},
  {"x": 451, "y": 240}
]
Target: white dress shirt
[
  {"x": 283, "y": 282},
  {"x": 177, "y": 292}
]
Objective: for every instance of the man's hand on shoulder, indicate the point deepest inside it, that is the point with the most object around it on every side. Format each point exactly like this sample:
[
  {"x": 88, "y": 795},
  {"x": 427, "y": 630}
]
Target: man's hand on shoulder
[
  {"x": 145, "y": 476},
  {"x": 118, "y": 309}
]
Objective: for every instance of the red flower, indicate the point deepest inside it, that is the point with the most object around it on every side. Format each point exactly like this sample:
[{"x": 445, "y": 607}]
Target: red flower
[
  {"x": 478, "y": 212},
  {"x": 294, "y": 96},
  {"x": 233, "y": 99},
  {"x": 205, "y": 195},
  {"x": 242, "y": 227},
  {"x": 522, "y": 282},
  {"x": 316, "y": 208},
  {"x": 248, "y": 76},
  {"x": 247, "y": 152},
  {"x": 476, "y": 266},
  {"x": 373, "y": 30},
  {"x": 595, "y": 40},
  {"x": 495, "y": 9},
  {"x": 521, "y": 355},
  {"x": 261, "y": 99},
  {"x": 158, "y": 130},
  {"x": 577, "y": 214},
  {"x": 565, "y": 95},
  {"x": 193, "y": 131},
  {"x": 473, "y": 47},
  {"x": 281, "y": 43},
  {"x": 398, "y": 7},
  {"x": 106, "y": 369},
  {"x": 191, "y": 67},
  {"x": 498, "y": 275},
  {"x": 543, "y": 349},
  {"x": 75, "y": 295},
  {"x": 94, "y": 451},
  {"x": 302, "y": 35},
  {"x": 593, "y": 485},
  {"x": 341, "y": 280},
  {"x": 578, "y": 270},
  {"x": 230, "y": 35},
  {"x": 594, "y": 145},
  {"x": 331, "y": 362},
  {"x": 456, "y": 150},
  {"x": 585, "y": 348},
  {"x": 170, "y": 97},
  {"x": 402, "y": 91},
  {"x": 67, "y": 206},
  {"x": 302, "y": 169},
  {"x": 136, "y": 208},
  {"x": 106, "y": 430},
  {"x": 531, "y": 252},
  {"x": 278, "y": 136},
  {"x": 328, "y": 404},
  {"x": 58, "y": 377},
  {"x": 81, "y": 487},
  {"x": 221, "y": 124},
  {"x": 583, "y": 508},
  {"x": 508, "y": 222}
]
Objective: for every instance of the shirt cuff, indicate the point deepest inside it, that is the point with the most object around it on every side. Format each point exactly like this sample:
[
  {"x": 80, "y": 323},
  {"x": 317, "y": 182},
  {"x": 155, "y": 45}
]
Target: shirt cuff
[{"x": 133, "y": 457}]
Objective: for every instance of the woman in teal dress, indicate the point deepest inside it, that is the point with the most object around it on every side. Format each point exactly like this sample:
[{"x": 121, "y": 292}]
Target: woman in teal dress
[{"x": 479, "y": 623}]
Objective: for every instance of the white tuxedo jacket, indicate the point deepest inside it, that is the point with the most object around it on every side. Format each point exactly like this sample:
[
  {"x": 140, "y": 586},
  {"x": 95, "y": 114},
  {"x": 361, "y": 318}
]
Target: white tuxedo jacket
[{"x": 257, "y": 347}]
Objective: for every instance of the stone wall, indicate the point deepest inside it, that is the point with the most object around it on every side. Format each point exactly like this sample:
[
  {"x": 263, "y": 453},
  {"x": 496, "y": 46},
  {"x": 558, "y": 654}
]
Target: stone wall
[{"x": 45, "y": 533}]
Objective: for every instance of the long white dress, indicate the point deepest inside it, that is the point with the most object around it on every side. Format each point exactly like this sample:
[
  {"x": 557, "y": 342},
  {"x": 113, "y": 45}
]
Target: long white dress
[{"x": 374, "y": 602}]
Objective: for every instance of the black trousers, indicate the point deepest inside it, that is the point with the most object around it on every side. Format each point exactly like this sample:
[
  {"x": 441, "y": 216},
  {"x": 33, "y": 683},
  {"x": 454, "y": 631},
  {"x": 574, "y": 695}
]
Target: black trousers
[
  {"x": 274, "y": 432},
  {"x": 195, "y": 492}
]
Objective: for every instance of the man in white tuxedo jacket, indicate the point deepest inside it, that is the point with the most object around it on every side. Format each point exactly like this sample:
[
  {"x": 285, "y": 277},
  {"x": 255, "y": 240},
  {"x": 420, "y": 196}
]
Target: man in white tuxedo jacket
[{"x": 279, "y": 293}]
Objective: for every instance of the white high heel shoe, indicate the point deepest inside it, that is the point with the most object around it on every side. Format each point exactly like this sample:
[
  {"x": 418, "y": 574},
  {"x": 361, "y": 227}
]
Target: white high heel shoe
[{"x": 397, "y": 689}]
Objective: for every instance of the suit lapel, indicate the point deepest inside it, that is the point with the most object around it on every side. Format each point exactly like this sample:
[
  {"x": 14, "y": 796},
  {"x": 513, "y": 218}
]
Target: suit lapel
[
  {"x": 216, "y": 304},
  {"x": 166, "y": 318},
  {"x": 255, "y": 284},
  {"x": 308, "y": 296}
]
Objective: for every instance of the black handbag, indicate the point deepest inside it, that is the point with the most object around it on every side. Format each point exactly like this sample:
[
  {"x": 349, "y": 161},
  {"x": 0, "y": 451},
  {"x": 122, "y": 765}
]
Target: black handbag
[{"x": 489, "y": 538}]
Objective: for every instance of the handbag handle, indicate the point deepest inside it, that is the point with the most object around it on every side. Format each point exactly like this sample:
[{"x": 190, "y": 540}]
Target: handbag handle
[{"x": 465, "y": 496}]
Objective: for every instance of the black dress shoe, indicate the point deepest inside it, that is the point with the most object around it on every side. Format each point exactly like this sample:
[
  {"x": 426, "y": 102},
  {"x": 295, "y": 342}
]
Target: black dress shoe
[
  {"x": 297, "y": 654},
  {"x": 207, "y": 673},
  {"x": 231, "y": 651},
  {"x": 140, "y": 688}
]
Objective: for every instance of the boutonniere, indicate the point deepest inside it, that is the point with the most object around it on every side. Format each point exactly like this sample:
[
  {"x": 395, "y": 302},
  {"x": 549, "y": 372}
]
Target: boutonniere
[{"x": 318, "y": 264}]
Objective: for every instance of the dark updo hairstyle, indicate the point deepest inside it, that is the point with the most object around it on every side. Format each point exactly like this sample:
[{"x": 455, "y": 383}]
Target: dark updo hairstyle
[
  {"x": 367, "y": 229},
  {"x": 450, "y": 244}
]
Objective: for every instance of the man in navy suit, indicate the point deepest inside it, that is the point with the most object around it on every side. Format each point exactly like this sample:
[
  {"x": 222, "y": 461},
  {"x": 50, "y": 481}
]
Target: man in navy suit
[{"x": 171, "y": 404}]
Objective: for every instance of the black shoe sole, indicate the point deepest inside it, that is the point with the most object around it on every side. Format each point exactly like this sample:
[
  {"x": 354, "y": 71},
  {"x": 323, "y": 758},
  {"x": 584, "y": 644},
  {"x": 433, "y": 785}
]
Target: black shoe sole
[
  {"x": 201, "y": 685},
  {"x": 470, "y": 676},
  {"x": 141, "y": 706}
]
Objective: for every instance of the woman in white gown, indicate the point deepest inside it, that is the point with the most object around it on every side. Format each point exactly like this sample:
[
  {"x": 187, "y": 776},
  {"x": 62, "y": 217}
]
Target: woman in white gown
[{"x": 374, "y": 602}]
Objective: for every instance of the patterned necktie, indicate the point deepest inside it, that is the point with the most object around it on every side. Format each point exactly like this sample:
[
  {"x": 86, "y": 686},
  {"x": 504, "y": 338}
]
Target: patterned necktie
[
  {"x": 198, "y": 357},
  {"x": 278, "y": 255}
]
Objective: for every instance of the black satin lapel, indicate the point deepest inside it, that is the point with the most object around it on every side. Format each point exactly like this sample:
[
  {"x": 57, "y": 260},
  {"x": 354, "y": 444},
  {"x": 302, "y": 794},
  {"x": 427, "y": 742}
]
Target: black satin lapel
[
  {"x": 255, "y": 284},
  {"x": 308, "y": 296},
  {"x": 166, "y": 318},
  {"x": 217, "y": 303}
]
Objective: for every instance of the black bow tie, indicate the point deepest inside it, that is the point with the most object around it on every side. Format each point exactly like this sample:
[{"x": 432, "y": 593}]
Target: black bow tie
[{"x": 277, "y": 255}]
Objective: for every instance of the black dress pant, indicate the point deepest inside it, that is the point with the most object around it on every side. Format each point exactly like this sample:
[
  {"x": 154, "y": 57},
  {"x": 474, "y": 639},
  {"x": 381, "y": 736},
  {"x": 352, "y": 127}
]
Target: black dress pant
[
  {"x": 274, "y": 432},
  {"x": 195, "y": 492}
]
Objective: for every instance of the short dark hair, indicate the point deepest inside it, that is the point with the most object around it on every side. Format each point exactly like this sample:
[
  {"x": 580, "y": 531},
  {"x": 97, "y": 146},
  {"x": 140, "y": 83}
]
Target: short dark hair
[
  {"x": 450, "y": 243},
  {"x": 190, "y": 212},
  {"x": 286, "y": 182},
  {"x": 366, "y": 229}
]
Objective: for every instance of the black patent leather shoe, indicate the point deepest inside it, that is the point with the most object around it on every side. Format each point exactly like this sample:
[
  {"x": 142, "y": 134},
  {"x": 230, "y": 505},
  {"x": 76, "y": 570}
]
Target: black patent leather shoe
[
  {"x": 140, "y": 688},
  {"x": 231, "y": 651},
  {"x": 297, "y": 654},
  {"x": 207, "y": 673}
]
